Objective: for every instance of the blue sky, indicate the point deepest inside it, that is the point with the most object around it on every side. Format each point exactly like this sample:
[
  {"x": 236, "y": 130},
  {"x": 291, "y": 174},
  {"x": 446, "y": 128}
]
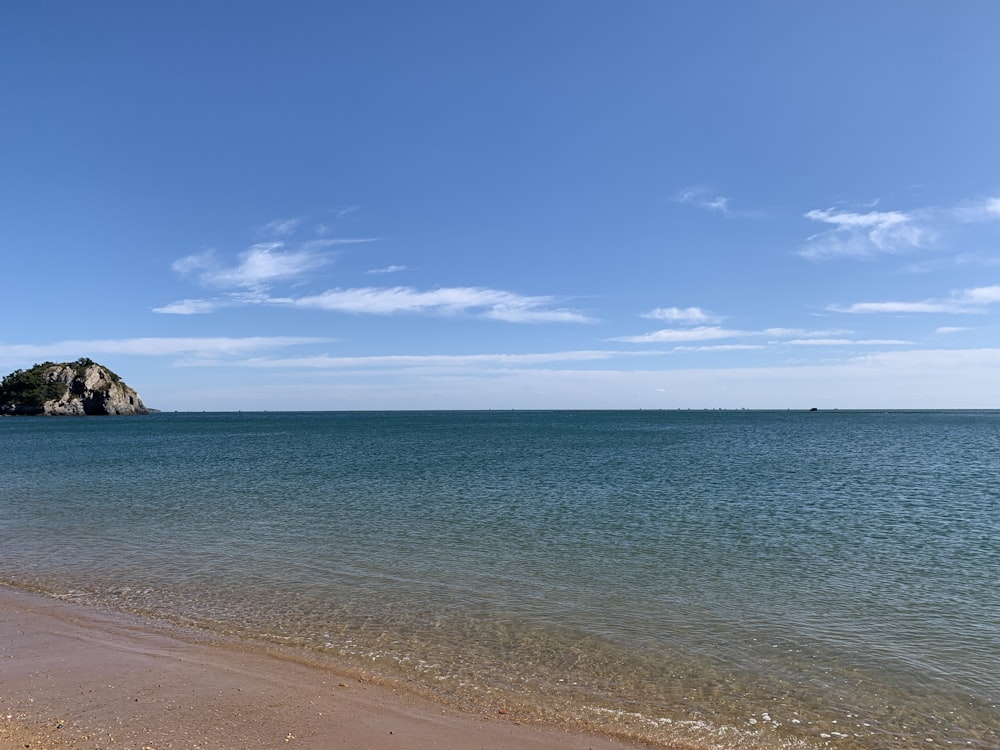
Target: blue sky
[{"x": 565, "y": 204}]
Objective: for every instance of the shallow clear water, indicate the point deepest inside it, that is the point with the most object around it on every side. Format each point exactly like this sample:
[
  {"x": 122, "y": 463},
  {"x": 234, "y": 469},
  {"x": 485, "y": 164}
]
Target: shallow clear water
[{"x": 726, "y": 579}]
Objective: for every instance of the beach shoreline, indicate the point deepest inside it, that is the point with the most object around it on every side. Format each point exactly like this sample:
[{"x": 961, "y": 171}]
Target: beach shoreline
[{"x": 73, "y": 676}]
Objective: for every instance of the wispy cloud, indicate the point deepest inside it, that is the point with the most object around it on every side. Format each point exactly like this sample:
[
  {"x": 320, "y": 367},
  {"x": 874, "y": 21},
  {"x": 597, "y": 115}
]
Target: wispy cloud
[
  {"x": 257, "y": 267},
  {"x": 451, "y": 361},
  {"x": 847, "y": 342},
  {"x": 927, "y": 306},
  {"x": 682, "y": 315},
  {"x": 698, "y": 333},
  {"x": 784, "y": 333},
  {"x": 488, "y": 303},
  {"x": 192, "y": 307},
  {"x": 982, "y": 295},
  {"x": 720, "y": 348},
  {"x": 208, "y": 346},
  {"x": 966, "y": 301},
  {"x": 279, "y": 228},
  {"x": 862, "y": 234},
  {"x": 987, "y": 209},
  {"x": 701, "y": 197},
  {"x": 319, "y": 244},
  {"x": 250, "y": 279},
  {"x": 859, "y": 235},
  {"x": 708, "y": 333},
  {"x": 281, "y": 254}
]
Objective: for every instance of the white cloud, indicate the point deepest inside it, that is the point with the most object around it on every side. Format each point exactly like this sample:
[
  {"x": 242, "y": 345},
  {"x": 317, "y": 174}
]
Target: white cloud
[
  {"x": 869, "y": 233},
  {"x": 873, "y": 219},
  {"x": 262, "y": 264},
  {"x": 706, "y": 333},
  {"x": 864, "y": 234},
  {"x": 681, "y": 315},
  {"x": 265, "y": 263},
  {"x": 529, "y": 314},
  {"x": 489, "y": 303},
  {"x": 984, "y": 210},
  {"x": 966, "y": 301},
  {"x": 950, "y": 329},
  {"x": 486, "y": 303},
  {"x": 698, "y": 333},
  {"x": 983, "y": 295}
]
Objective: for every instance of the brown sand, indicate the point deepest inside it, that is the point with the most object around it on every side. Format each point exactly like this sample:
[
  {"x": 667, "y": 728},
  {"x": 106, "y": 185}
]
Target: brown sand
[{"x": 75, "y": 677}]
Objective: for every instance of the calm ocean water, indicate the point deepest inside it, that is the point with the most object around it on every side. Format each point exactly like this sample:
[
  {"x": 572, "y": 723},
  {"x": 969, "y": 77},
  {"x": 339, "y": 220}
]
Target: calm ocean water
[{"x": 722, "y": 579}]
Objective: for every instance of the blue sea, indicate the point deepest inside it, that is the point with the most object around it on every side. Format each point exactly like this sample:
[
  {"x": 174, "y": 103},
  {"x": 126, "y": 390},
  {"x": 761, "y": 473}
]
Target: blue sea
[{"x": 710, "y": 579}]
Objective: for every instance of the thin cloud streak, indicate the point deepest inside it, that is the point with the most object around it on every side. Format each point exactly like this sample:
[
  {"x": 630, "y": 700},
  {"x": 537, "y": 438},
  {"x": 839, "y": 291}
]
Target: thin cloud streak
[
  {"x": 698, "y": 333},
  {"x": 900, "y": 307},
  {"x": 848, "y": 342},
  {"x": 157, "y": 347},
  {"x": 965, "y": 302},
  {"x": 441, "y": 360},
  {"x": 191, "y": 307},
  {"x": 720, "y": 348},
  {"x": 489, "y": 303},
  {"x": 706, "y": 333}
]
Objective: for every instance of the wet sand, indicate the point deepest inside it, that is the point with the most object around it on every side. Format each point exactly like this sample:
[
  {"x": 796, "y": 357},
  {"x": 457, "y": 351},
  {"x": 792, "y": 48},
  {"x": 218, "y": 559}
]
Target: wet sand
[{"x": 76, "y": 677}]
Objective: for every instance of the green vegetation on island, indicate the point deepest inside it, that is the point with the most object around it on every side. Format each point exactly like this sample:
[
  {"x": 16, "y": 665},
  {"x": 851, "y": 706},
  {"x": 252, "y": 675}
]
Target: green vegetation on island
[{"x": 82, "y": 387}]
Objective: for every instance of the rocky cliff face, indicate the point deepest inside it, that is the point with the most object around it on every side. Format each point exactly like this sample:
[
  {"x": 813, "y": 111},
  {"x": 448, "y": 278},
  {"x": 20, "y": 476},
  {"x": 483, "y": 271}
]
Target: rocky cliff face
[{"x": 70, "y": 388}]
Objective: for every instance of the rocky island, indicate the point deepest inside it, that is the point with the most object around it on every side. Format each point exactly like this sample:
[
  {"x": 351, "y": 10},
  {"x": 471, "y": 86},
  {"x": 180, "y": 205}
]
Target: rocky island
[{"x": 75, "y": 388}]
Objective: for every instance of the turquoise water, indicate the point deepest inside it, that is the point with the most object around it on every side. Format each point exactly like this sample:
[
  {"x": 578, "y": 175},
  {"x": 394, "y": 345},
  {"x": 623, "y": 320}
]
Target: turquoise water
[{"x": 721, "y": 579}]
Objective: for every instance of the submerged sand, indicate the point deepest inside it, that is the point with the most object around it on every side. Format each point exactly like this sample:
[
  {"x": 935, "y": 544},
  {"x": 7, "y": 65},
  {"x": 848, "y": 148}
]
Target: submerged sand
[{"x": 76, "y": 677}]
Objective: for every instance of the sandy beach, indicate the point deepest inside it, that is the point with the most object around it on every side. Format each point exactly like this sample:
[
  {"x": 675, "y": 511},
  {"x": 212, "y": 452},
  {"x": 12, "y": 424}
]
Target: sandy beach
[{"x": 75, "y": 677}]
